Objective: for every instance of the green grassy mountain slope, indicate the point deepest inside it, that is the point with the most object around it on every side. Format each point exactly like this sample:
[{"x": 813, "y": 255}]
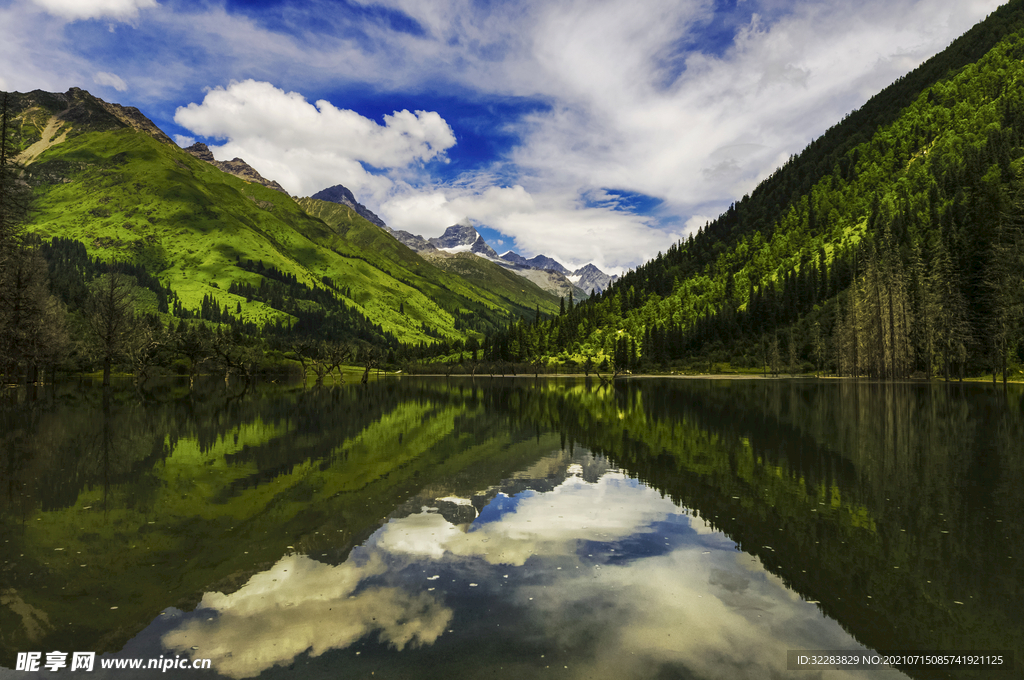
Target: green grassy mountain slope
[
  {"x": 472, "y": 285},
  {"x": 891, "y": 246},
  {"x": 104, "y": 175},
  {"x": 490, "y": 276}
]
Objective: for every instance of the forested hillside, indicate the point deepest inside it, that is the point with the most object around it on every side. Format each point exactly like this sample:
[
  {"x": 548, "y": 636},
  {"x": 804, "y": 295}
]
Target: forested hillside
[
  {"x": 891, "y": 246},
  {"x": 96, "y": 201}
]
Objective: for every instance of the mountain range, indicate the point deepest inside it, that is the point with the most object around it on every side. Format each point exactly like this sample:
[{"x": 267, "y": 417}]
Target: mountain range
[
  {"x": 548, "y": 273},
  {"x": 221, "y": 237}
]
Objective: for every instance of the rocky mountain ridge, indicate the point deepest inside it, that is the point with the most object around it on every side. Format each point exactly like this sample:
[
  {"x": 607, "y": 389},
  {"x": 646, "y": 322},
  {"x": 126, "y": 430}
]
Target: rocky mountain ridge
[
  {"x": 460, "y": 238},
  {"x": 340, "y": 194},
  {"x": 548, "y": 273},
  {"x": 49, "y": 118},
  {"x": 592, "y": 278},
  {"x": 236, "y": 167},
  {"x": 537, "y": 262}
]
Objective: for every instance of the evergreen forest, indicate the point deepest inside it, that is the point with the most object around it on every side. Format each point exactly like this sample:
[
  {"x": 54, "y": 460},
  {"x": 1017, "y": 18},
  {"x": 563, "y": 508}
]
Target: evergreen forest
[{"x": 891, "y": 247}]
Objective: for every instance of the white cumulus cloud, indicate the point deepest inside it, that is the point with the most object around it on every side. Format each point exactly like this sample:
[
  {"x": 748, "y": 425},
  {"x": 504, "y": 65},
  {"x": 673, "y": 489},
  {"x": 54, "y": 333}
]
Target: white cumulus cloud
[
  {"x": 542, "y": 524},
  {"x": 702, "y": 604},
  {"x": 312, "y": 145},
  {"x": 95, "y": 9}
]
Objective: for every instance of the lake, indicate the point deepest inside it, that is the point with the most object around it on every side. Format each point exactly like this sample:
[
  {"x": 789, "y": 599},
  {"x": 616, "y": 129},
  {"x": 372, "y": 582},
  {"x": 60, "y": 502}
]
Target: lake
[{"x": 431, "y": 528}]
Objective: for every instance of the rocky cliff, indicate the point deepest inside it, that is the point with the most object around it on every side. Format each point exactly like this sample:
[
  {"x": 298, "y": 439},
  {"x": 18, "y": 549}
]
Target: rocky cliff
[{"x": 236, "y": 167}]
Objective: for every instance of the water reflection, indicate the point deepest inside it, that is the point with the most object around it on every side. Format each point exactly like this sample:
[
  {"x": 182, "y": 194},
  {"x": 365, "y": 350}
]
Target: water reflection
[
  {"x": 304, "y": 606},
  {"x": 603, "y": 578},
  {"x": 429, "y": 529}
]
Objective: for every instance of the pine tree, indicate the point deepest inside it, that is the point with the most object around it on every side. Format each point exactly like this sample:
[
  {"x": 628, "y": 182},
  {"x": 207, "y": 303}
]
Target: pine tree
[
  {"x": 872, "y": 301},
  {"x": 900, "y": 313},
  {"x": 819, "y": 348},
  {"x": 791, "y": 348},
  {"x": 853, "y": 320},
  {"x": 774, "y": 358},
  {"x": 1004, "y": 280},
  {"x": 14, "y": 194},
  {"x": 922, "y": 312},
  {"x": 26, "y": 306},
  {"x": 952, "y": 329}
]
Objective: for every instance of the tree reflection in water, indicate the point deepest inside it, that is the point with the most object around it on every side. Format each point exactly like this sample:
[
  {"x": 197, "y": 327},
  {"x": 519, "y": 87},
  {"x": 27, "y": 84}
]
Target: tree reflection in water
[{"x": 895, "y": 508}]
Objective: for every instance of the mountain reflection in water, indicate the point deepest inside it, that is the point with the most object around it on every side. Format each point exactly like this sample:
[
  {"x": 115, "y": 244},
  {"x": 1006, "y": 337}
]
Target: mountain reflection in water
[
  {"x": 606, "y": 577},
  {"x": 422, "y": 528}
]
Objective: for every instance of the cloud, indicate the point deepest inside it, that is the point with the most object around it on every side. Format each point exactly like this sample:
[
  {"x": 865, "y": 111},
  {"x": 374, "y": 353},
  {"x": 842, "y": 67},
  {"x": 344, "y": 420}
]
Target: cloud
[
  {"x": 303, "y": 605},
  {"x": 321, "y": 144},
  {"x": 110, "y": 80},
  {"x": 635, "y": 100},
  {"x": 613, "y": 508},
  {"x": 700, "y": 608},
  {"x": 74, "y": 10},
  {"x": 696, "y": 222},
  {"x": 558, "y": 225},
  {"x": 690, "y": 612},
  {"x": 780, "y": 83},
  {"x": 699, "y": 136},
  {"x": 34, "y": 52},
  {"x": 614, "y": 571}
]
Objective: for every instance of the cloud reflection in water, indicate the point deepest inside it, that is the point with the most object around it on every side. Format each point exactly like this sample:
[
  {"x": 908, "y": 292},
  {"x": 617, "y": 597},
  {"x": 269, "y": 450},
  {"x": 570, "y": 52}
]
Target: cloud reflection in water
[
  {"x": 609, "y": 570},
  {"x": 301, "y": 604}
]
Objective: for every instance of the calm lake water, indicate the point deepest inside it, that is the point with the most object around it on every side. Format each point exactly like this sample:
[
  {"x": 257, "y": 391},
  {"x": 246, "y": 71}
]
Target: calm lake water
[{"x": 423, "y": 528}]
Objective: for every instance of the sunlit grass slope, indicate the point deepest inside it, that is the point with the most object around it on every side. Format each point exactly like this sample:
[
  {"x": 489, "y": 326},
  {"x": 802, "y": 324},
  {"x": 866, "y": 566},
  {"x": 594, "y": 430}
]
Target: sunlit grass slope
[
  {"x": 468, "y": 281},
  {"x": 129, "y": 196}
]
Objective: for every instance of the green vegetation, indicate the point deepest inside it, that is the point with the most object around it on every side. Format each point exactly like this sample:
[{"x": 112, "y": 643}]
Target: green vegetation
[
  {"x": 480, "y": 294},
  {"x": 133, "y": 198},
  {"x": 112, "y": 197},
  {"x": 816, "y": 479},
  {"x": 892, "y": 246},
  {"x": 149, "y": 504}
]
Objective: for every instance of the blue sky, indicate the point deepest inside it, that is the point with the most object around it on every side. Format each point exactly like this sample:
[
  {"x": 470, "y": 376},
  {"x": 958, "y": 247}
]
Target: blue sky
[{"x": 580, "y": 129}]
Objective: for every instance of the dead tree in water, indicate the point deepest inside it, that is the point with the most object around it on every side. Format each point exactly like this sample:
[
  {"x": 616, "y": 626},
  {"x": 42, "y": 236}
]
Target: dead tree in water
[
  {"x": 336, "y": 354},
  {"x": 193, "y": 343},
  {"x": 371, "y": 359},
  {"x": 142, "y": 348},
  {"x": 327, "y": 356},
  {"x": 237, "y": 354}
]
